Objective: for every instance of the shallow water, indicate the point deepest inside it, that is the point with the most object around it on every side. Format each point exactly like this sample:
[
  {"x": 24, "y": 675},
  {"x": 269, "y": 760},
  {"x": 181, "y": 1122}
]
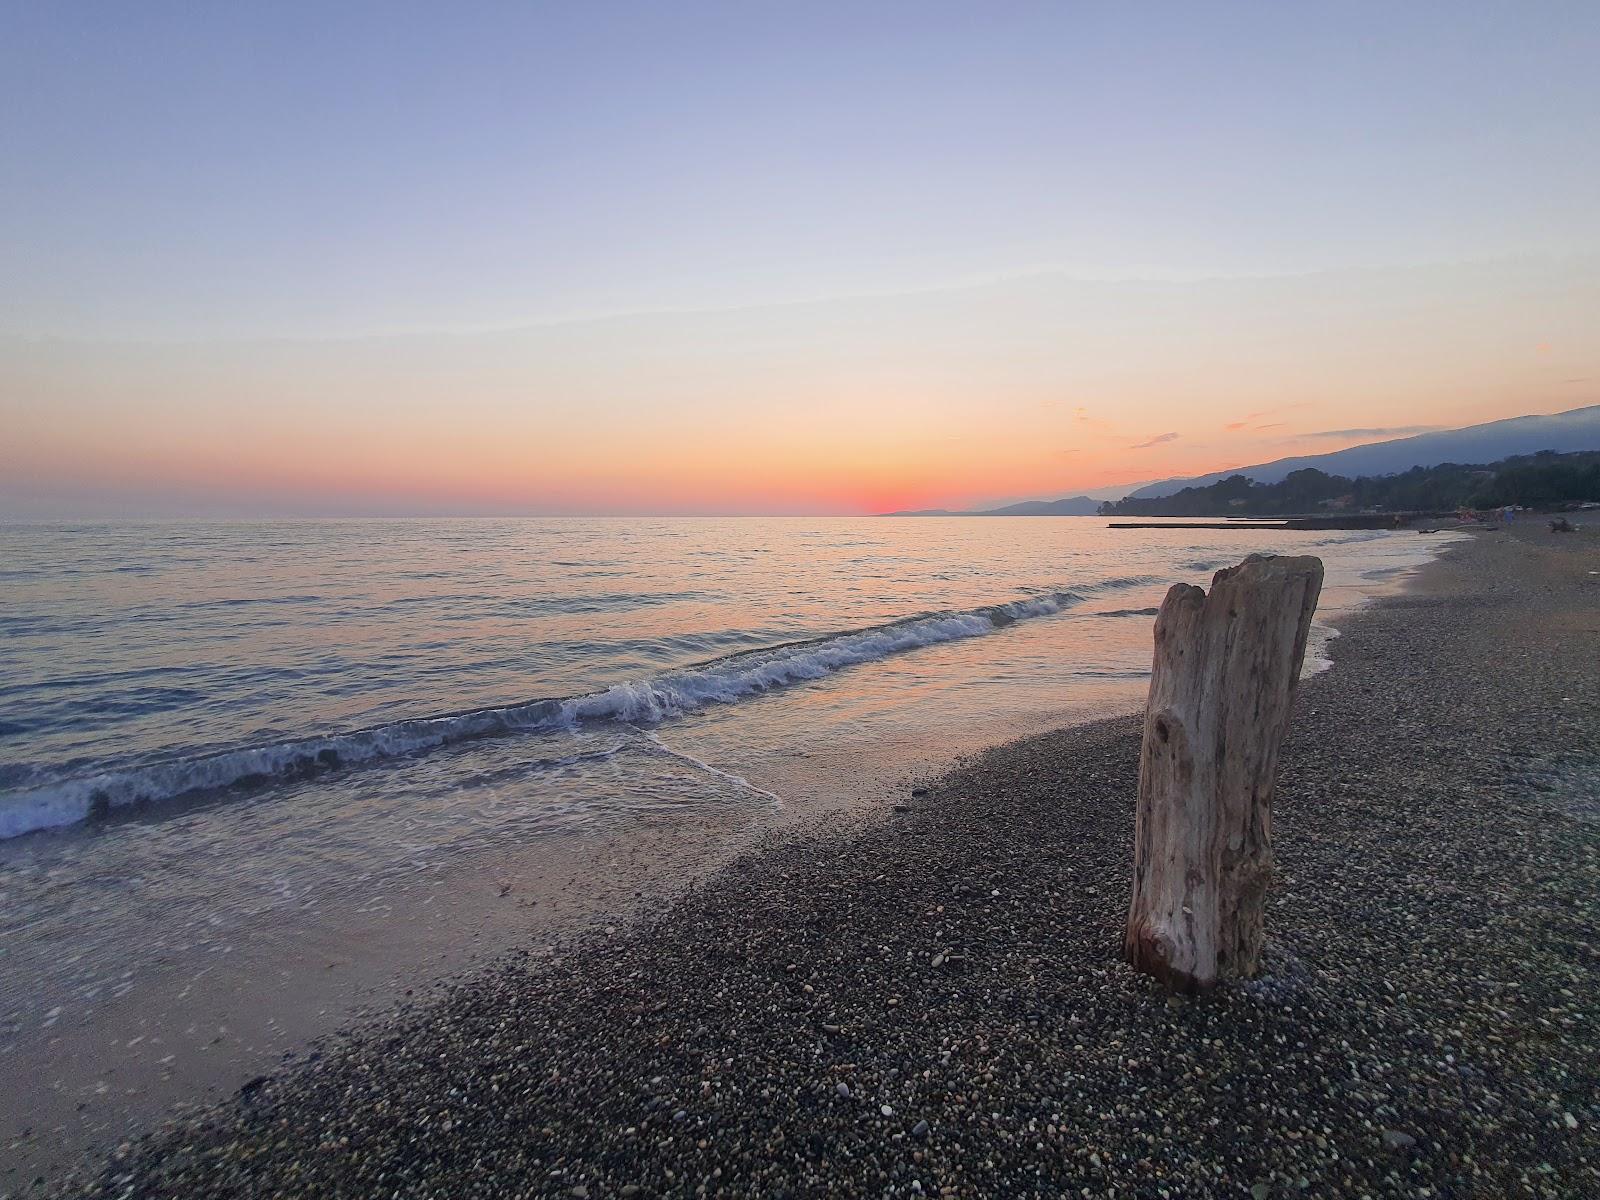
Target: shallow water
[{"x": 142, "y": 662}]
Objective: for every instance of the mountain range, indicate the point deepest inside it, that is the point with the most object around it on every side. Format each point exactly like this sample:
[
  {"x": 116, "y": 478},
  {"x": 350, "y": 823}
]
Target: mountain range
[{"x": 1575, "y": 429}]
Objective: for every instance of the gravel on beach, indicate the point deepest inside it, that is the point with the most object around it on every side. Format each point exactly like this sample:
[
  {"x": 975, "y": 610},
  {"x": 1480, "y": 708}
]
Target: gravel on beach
[{"x": 935, "y": 1004}]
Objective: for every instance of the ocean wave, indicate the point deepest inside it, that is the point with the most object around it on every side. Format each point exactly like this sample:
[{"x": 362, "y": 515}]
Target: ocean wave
[
  {"x": 1122, "y": 582},
  {"x": 647, "y": 701}
]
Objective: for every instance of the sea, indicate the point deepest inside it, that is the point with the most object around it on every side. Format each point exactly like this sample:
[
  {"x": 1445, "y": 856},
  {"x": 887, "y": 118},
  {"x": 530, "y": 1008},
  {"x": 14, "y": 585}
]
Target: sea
[
  {"x": 211, "y": 731},
  {"x": 142, "y": 663}
]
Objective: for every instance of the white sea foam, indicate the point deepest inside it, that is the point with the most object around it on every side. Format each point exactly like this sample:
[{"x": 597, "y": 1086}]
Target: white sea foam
[
  {"x": 1317, "y": 658},
  {"x": 654, "y": 739},
  {"x": 645, "y": 701}
]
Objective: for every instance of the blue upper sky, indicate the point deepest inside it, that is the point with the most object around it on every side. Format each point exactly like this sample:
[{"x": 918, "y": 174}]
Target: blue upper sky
[{"x": 178, "y": 171}]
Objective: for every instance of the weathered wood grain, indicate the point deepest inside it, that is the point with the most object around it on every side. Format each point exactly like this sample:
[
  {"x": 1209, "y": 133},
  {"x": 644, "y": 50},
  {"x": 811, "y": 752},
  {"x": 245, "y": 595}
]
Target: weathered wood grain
[{"x": 1225, "y": 669}]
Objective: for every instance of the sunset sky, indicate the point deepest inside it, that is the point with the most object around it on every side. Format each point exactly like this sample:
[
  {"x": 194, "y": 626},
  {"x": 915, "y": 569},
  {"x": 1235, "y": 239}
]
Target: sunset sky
[{"x": 760, "y": 258}]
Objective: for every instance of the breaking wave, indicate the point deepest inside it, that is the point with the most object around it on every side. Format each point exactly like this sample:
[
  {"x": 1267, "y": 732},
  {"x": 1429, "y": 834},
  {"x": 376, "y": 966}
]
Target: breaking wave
[{"x": 643, "y": 702}]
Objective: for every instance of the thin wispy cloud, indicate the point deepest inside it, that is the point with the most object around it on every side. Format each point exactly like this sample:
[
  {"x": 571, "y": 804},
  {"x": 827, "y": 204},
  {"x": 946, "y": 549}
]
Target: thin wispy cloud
[
  {"x": 1244, "y": 421},
  {"x": 1155, "y": 441},
  {"x": 1375, "y": 431}
]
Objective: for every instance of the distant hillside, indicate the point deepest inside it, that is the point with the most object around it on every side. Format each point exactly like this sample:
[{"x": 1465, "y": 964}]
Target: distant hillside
[
  {"x": 1543, "y": 480},
  {"x": 1072, "y": 506},
  {"x": 1577, "y": 429}
]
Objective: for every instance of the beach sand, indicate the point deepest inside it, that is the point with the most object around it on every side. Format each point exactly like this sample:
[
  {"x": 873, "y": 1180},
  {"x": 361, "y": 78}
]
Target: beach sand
[{"x": 934, "y": 1002}]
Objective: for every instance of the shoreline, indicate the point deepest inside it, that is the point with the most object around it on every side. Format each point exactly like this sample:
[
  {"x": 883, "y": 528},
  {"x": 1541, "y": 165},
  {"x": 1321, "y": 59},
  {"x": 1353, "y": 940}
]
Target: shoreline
[
  {"x": 648, "y": 976},
  {"x": 822, "y": 952}
]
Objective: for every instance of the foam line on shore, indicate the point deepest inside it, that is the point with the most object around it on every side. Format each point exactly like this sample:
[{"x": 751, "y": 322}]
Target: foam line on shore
[
  {"x": 654, "y": 738},
  {"x": 646, "y": 701}
]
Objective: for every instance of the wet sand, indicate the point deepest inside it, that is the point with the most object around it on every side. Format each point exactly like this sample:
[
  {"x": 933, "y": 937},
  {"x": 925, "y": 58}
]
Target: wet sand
[
  {"x": 933, "y": 1003},
  {"x": 200, "y": 1017},
  {"x": 193, "y": 1027}
]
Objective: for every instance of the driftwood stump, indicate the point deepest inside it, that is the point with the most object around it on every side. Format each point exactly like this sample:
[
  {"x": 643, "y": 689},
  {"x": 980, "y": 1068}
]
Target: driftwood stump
[{"x": 1226, "y": 666}]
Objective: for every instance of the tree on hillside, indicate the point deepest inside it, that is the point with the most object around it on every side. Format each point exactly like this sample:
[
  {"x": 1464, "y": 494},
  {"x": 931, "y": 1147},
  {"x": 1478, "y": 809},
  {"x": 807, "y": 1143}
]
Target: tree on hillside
[{"x": 1542, "y": 480}]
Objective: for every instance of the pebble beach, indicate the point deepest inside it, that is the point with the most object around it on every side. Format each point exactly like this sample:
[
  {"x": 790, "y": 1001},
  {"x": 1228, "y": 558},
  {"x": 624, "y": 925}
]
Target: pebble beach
[{"x": 932, "y": 1001}]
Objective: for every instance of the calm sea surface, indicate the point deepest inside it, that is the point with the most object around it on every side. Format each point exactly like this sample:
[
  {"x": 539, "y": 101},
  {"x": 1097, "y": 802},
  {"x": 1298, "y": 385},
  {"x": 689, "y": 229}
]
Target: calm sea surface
[
  {"x": 204, "y": 722},
  {"x": 140, "y": 662}
]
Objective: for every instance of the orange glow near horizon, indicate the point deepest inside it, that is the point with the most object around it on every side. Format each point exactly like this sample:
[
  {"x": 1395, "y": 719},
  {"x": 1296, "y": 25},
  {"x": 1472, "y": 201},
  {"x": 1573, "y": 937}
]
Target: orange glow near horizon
[
  {"x": 988, "y": 397},
  {"x": 664, "y": 478}
]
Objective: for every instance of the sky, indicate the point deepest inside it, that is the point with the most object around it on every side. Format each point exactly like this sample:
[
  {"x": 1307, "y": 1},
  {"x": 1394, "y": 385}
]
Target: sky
[{"x": 352, "y": 259}]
